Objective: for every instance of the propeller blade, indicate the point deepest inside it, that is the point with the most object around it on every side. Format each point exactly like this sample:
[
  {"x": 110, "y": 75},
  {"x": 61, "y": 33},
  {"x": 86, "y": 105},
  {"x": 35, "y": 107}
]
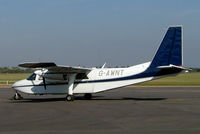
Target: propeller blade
[{"x": 44, "y": 82}]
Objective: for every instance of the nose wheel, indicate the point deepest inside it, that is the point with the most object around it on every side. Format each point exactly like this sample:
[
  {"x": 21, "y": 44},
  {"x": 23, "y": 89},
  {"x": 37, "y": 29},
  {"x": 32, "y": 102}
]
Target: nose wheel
[{"x": 17, "y": 96}]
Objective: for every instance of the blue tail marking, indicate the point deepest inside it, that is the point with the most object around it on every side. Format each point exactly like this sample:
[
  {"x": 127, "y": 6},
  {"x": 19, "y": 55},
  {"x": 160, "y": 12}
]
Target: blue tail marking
[{"x": 170, "y": 50}]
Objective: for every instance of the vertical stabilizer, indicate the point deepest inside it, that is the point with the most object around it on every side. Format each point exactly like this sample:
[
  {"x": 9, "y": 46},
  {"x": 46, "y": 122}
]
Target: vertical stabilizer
[{"x": 170, "y": 50}]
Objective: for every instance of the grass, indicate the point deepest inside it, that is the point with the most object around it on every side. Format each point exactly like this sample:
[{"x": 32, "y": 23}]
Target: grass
[
  {"x": 11, "y": 78},
  {"x": 186, "y": 79}
]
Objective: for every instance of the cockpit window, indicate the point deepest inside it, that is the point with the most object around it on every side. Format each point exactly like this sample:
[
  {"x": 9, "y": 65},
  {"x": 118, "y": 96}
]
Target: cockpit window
[{"x": 32, "y": 77}]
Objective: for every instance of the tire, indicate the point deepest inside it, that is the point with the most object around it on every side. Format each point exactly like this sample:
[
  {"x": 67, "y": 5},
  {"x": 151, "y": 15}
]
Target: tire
[
  {"x": 17, "y": 97},
  {"x": 70, "y": 98},
  {"x": 88, "y": 96}
]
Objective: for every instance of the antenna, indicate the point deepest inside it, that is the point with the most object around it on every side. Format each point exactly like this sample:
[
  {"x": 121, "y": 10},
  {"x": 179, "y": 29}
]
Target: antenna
[{"x": 104, "y": 65}]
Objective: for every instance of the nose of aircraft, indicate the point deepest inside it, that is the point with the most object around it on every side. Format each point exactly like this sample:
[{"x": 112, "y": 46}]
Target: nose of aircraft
[
  {"x": 16, "y": 84},
  {"x": 21, "y": 86}
]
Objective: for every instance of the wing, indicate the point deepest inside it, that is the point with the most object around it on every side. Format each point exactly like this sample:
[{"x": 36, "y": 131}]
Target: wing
[
  {"x": 53, "y": 68},
  {"x": 67, "y": 69},
  {"x": 37, "y": 64}
]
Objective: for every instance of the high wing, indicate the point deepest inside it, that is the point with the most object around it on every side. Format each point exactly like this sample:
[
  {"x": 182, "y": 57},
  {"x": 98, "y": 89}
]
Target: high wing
[
  {"x": 53, "y": 68},
  {"x": 37, "y": 64},
  {"x": 68, "y": 69}
]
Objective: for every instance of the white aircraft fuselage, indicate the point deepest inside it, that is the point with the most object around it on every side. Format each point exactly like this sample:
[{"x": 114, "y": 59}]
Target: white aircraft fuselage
[{"x": 98, "y": 80}]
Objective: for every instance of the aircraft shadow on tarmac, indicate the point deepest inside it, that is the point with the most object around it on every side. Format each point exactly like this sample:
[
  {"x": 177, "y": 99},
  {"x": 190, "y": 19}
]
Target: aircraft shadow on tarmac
[{"x": 95, "y": 98}]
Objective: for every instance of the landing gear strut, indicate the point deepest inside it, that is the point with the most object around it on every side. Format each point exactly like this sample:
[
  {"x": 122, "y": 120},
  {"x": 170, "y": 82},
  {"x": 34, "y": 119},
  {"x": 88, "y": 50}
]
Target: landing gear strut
[
  {"x": 17, "y": 96},
  {"x": 88, "y": 96},
  {"x": 70, "y": 98}
]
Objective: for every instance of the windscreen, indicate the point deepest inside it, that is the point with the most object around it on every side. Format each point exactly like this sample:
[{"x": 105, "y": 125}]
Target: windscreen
[{"x": 32, "y": 77}]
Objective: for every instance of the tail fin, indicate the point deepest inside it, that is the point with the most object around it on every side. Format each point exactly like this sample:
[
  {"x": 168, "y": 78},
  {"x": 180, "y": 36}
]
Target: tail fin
[{"x": 170, "y": 50}]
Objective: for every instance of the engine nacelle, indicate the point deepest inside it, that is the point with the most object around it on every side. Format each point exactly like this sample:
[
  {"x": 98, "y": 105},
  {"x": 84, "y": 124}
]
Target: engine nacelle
[{"x": 55, "y": 76}]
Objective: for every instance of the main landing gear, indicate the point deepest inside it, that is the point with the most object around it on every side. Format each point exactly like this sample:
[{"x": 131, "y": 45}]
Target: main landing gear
[
  {"x": 70, "y": 98},
  {"x": 17, "y": 96},
  {"x": 87, "y": 96}
]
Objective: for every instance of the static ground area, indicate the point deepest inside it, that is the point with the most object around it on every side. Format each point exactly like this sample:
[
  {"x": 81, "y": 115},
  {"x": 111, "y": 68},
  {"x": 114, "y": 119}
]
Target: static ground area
[{"x": 152, "y": 110}]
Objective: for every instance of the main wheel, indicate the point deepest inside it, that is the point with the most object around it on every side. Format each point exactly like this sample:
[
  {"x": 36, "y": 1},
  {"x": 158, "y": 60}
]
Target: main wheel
[
  {"x": 88, "y": 96},
  {"x": 70, "y": 98}
]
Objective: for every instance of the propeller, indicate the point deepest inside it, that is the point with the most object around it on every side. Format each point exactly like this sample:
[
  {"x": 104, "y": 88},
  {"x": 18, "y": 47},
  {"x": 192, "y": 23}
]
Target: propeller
[
  {"x": 44, "y": 82},
  {"x": 43, "y": 78}
]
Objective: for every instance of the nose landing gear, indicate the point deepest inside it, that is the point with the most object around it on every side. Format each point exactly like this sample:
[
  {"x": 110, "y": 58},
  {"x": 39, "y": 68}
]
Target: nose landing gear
[{"x": 17, "y": 96}]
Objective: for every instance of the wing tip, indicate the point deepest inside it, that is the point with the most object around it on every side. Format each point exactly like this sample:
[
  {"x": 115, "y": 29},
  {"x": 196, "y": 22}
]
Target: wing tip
[{"x": 37, "y": 64}]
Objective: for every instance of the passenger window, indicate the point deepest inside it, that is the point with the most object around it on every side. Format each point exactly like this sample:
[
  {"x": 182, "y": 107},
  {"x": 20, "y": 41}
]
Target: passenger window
[{"x": 32, "y": 77}]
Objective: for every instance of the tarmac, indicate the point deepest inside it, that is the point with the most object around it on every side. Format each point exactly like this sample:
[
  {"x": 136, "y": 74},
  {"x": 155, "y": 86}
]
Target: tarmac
[{"x": 140, "y": 110}]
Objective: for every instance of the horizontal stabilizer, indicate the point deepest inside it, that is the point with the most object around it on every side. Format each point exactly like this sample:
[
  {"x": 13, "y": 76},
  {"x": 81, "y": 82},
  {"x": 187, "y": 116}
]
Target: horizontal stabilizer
[
  {"x": 172, "y": 66},
  {"x": 169, "y": 70}
]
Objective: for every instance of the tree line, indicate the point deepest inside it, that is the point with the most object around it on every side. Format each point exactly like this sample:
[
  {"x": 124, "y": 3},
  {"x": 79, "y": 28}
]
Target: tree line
[
  {"x": 195, "y": 70},
  {"x": 15, "y": 70}
]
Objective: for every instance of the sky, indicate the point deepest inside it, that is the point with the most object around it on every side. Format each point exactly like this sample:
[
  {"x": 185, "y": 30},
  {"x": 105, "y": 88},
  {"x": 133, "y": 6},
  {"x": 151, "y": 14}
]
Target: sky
[{"x": 92, "y": 32}]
